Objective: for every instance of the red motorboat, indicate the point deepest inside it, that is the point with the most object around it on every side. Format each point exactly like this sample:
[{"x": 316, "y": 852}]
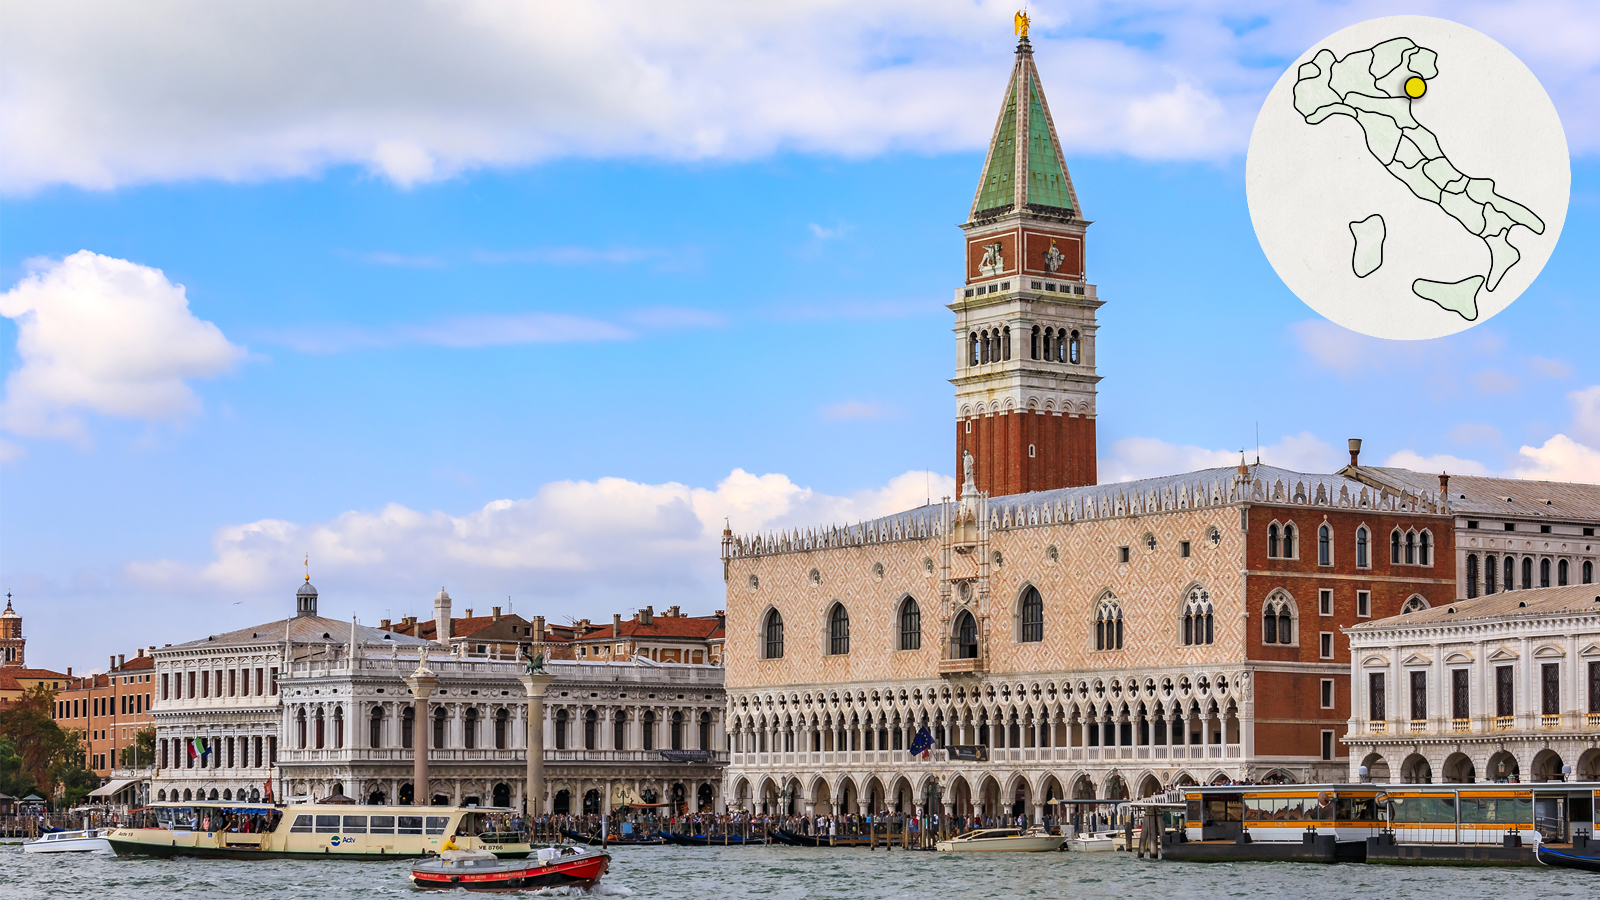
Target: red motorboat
[{"x": 480, "y": 870}]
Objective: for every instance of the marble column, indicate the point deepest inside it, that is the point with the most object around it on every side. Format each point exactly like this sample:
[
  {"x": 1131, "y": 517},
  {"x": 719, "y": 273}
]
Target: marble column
[
  {"x": 422, "y": 683},
  {"x": 535, "y": 684}
]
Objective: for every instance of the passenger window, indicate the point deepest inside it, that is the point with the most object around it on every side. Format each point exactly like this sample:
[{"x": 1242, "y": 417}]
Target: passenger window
[
  {"x": 327, "y": 824},
  {"x": 302, "y": 825},
  {"x": 410, "y": 824},
  {"x": 355, "y": 824},
  {"x": 382, "y": 825},
  {"x": 436, "y": 824}
]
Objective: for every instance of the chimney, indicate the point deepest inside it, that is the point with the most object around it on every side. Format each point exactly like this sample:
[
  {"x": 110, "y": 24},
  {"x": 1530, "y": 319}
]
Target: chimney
[
  {"x": 383, "y": 624},
  {"x": 496, "y": 616},
  {"x": 122, "y": 660},
  {"x": 1444, "y": 485},
  {"x": 441, "y": 617},
  {"x": 113, "y": 664},
  {"x": 647, "y": 616},
  {"x": 616, "y": 625},
  {"x": 538, "y": 629},
  {"x": 69, "y": 671},
  {"x": 1355, "y": 452},
  {"x": 673, "y": 612},
  {"x": 469, "y": 612},
  {"x": 141, "y": 651}
]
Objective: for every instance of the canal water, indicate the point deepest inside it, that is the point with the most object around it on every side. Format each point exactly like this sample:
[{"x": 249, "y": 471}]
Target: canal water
[{"x": 787, "y": 872}]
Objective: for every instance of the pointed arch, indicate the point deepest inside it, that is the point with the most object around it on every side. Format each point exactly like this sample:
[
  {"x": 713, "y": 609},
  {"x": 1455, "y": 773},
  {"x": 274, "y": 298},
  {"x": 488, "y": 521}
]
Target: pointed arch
[
  {"x": 1029, "y": 615},
  {"x": 910, "y": 621},
  {"x": 1414, "y": 603},
  {"x": 771, "y": 636},
  {"x": 1280, "y": 619},
  {"x": 1108, "y": 622},
  {"x": 837, "y": 636},
  {"x": 964, "y": 636},
  {"x": 1196, "y": 620}
]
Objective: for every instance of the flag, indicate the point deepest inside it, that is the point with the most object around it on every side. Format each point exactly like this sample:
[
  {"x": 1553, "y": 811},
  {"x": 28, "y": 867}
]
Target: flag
[
  {"x": 923, "y": 742},
  {"x": 269, "y": 790},
  {"x": 205, "y": 748},
  {"x": 190, "y": 745}
]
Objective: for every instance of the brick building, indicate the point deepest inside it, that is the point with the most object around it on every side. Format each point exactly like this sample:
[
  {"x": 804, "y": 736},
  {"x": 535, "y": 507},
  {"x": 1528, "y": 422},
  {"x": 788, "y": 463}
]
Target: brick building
[
  {"x": 110, "y": 709},
  {"x": 1098, "y": 641},
  {"x": 670, "y": 637}
]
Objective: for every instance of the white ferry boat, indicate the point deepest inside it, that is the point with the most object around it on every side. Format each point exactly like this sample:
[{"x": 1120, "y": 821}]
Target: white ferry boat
[
  {"x": 68, "y": 842},
  {"x": 1002, "y": 840},
  {"x": 254, "y": 831}
]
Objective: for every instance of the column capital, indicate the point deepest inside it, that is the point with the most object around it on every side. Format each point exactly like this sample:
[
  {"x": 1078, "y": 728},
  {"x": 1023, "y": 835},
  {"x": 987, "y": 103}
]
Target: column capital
[{"x": 535, "y": 684}]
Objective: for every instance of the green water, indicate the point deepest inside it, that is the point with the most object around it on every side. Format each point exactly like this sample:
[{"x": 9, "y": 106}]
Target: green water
[{"x": 785, "y": 872}]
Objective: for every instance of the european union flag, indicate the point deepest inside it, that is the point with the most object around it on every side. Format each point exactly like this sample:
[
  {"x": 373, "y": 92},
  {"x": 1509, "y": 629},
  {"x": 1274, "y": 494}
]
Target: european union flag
[{"x": 923, "y": 742}]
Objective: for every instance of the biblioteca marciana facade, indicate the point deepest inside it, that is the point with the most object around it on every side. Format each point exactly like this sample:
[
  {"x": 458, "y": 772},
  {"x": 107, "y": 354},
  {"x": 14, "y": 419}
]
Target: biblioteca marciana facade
[{"x": 1096, "y": 641}]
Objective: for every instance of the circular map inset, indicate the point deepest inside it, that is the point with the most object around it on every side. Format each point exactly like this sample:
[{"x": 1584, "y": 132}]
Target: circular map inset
[{"x": 1408, "y": 177}]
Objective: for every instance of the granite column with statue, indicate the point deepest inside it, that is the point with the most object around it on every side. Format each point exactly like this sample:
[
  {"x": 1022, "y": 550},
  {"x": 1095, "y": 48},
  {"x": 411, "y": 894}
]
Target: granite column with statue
[
  {"x": 422, "y": 682},
  {"x": 535, "y": 680}
]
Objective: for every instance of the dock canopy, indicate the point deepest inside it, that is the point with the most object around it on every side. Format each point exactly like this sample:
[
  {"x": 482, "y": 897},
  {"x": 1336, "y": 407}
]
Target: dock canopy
[{"x": 111, "y": 788}]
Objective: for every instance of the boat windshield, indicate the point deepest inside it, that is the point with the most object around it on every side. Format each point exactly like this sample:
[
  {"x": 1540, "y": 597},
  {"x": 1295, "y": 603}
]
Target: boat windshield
[{"x": 998, "y": 833}]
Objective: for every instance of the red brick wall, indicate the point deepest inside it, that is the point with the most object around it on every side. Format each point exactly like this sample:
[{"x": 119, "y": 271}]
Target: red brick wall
[
  {"x": 1064, "y": 452},
  {"x": 1289, "y": 718}
]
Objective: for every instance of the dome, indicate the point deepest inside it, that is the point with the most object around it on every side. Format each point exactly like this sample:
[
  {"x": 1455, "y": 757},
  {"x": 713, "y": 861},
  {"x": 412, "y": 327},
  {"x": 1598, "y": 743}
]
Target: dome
[
  {"x": 306, "y": 590},
  {"x": 442, "y": 596}
]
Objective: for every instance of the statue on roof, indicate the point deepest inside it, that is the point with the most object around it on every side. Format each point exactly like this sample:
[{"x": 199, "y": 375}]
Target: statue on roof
[{"x": 1019, "y": 23}]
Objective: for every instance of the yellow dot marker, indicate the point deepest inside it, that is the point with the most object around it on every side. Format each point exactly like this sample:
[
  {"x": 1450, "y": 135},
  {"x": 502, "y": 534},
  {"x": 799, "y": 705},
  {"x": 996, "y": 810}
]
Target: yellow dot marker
[{"x": 1415, "y": 87}]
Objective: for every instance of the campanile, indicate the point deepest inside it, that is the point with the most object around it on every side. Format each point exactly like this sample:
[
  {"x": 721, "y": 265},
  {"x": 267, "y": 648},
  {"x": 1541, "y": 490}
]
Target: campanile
[{"x": 1025, "y": 317}]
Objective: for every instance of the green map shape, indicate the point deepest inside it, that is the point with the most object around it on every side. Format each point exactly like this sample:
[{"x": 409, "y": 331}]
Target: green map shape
[{"x": 1369, "y": 87}]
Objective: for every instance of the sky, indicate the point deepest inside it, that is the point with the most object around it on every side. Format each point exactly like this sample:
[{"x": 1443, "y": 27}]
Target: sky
[{"x": 527, "y": 300}]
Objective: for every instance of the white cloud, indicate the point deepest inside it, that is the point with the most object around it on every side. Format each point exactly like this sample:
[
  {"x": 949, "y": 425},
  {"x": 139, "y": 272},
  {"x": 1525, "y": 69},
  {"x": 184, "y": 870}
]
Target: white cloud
[
  {"x": 1440, "y": 462},
  {"x": 109, "y": 336},
  {"x": 593, "y": 545},
  {"x": 1559, "y": 459},
  {"x": 167, "y": 89},
  {"x": 1144, "y": 457},
  {"x": 1586, "y": 413}
]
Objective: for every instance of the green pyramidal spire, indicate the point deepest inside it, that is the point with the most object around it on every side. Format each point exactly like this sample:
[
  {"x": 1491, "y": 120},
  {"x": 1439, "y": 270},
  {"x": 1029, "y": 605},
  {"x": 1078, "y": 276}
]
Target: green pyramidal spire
[{"x": 1025, "y": 167}]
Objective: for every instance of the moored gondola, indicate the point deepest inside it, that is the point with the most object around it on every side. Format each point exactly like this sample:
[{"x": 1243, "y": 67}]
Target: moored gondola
[
  {"x": 653, "y": 840},
  {"x": 714, "y": 840},
  {"x": 1566, "y": 857}
]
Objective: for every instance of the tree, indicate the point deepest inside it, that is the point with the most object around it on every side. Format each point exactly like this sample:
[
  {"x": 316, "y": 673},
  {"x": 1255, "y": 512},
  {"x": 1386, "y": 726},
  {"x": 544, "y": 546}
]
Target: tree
[
  {"x": 142, "y": 752},
  {"x": 14, "y": 779},
  {"x": 48, "y": 755}
]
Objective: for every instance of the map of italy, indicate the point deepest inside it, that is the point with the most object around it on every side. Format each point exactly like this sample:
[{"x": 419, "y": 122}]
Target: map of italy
[{"x": 1377, "y": 87}]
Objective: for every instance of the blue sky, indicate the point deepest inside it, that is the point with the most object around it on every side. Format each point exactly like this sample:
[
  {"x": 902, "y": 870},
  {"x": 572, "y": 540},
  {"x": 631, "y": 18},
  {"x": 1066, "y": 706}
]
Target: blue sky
[{"x": 533, "y": 328}]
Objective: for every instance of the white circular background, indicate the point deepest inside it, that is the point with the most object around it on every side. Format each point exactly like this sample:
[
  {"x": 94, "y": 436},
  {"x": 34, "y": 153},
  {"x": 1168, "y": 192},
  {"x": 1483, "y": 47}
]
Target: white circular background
[{"x": 1307, "y": 183}]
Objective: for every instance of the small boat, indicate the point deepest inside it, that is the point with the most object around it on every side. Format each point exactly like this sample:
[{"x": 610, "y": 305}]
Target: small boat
[
  {"x": 714, "y": 840},
  {"x": 1002, "y": 840},
  {"x": 1092, "y": 841},
  {"x": 68, "y": 842},
  {"x": 1120, "y": 842},
  {"x": 653, "y": 840},
  {"x": 480, "y": 870}
]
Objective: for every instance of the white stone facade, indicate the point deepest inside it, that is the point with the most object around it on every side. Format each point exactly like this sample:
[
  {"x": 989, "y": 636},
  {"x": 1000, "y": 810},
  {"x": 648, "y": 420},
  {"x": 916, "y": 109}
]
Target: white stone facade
[{"x": 1500, "y": 688}]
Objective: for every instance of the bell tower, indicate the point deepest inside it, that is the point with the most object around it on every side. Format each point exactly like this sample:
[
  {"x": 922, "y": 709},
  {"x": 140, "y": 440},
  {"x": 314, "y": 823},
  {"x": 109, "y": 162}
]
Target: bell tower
[{"x": 1025, "y": 318}]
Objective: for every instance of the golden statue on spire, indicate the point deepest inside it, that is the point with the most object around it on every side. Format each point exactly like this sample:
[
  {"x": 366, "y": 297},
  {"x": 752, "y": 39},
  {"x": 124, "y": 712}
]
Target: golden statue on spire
[{"x": 1020, "y": 23}]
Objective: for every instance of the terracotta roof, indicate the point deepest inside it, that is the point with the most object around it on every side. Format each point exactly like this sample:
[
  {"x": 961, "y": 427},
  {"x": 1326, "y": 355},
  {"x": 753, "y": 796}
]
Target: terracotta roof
[
  {"x": 660, "y": 627},
  {"x": 34, "y": 673},
  {"x": 138, "y": 663},
  {"x": 1487, "y": 496},
  {"x": 300, "y": 628},
  {"x": 1508, "y": 605}
]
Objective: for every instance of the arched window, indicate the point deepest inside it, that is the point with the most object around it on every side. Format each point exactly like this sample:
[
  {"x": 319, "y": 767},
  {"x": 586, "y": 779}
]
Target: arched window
[
  {"x": 1411, "y": 548},
  {"x": 1032, "y": 616},
  {"x": 1561, "y": 573},
  {"x": 375, "y": 728},
  {"x": 1277, "y": 620},
  {"x": 501, "y": 720},
  {"x": 338, "y": 728},
  {"x": 1491, "y": 574},
  {"x": 300, "y": 729},
  {"x": 408, "y": 727},
  {"x": 972, "y": 349},
  {"x": 1544, "y": 573},
  {"x": 591, "y": 728},
  {"x": 1272, "y": 540},
  {"x": 1588, "y": 572},
  {"x": 1049, "y": 336},
  {"x": 1362, "y": 540},
  {"x": 1073, "y": 356},
  {"x": 910, "y": 625},
  {"x": 1414, "y": 603},
  {"x": 838, "y": 630},
  {"x": 774, "y": 635},
  {"x": 561, "y": 729},
  {"x": 439, "y": 723},
  {"x": 676, "y": 732},
  {"x": 619, "y": 730},
  {"x": 1288, "y": 542},
  {"x": 1108, "y": 625},
  {"x": 1197, "y": 613},
  {"x": 1472, "y": 575},
  {"x": 1394, "y": 547},
  {"x": 321, "y": 729},
  {"x": 1425, "y": 549},
  {"x": 964, "y": 637},
  {"x": 1005, "y": 343},
  {"x": 1511, "y": 573},
  {"x": 1527, "y": 572},
  {"x": 1324, "y": 546},
  {"x": 648, "y": 730},
  {"x": 705, "y": 731},
  {"x": 1035, "y": 348}
]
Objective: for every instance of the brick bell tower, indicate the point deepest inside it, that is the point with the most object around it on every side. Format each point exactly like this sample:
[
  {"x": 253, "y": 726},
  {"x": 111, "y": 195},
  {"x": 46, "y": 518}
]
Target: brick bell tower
[{"x": 1025, "y": 319}]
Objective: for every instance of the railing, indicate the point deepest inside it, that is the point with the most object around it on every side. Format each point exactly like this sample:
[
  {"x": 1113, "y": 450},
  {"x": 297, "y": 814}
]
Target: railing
[
  {"x": 1504, "y": 723},
  {"x": 1418, "y": 725},
  {"x": 1460, "y": 724},
  {"x": 1593, "y": 721},
  {"x": 960, "y": 666},
  {"x": 1378, "y": 726},
  {"x": 1550, "y": 721}
]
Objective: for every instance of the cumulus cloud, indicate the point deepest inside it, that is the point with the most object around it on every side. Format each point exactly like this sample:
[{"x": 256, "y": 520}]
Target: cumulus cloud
[
  {"x": 1559, "y": 459},
  {"x": 1145, "y": 457},
  {"x": 173, "y": 89},
  {"x": 1440, "y": 462},
  {"x": 109, "y": 336},
  {"x": 597, "y": 545}
]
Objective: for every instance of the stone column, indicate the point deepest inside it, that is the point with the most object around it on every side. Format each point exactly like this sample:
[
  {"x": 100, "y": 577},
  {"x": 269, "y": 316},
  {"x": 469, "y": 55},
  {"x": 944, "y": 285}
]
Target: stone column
[
  {"x": 535, "y": 684},
  {"x": 422, "y": 682}
]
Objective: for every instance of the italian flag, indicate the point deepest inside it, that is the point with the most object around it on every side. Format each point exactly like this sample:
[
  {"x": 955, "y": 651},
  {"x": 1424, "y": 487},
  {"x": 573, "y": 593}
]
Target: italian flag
[{"x": 192, "y": 753}]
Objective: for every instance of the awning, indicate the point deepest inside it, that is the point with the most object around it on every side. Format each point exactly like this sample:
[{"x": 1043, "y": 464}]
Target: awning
[{"x": 110, "y": 789}]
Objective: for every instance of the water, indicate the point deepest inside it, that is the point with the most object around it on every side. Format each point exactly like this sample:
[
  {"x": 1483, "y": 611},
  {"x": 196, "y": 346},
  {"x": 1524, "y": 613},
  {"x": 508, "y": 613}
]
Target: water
[{"x": 791, "y": 872}]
